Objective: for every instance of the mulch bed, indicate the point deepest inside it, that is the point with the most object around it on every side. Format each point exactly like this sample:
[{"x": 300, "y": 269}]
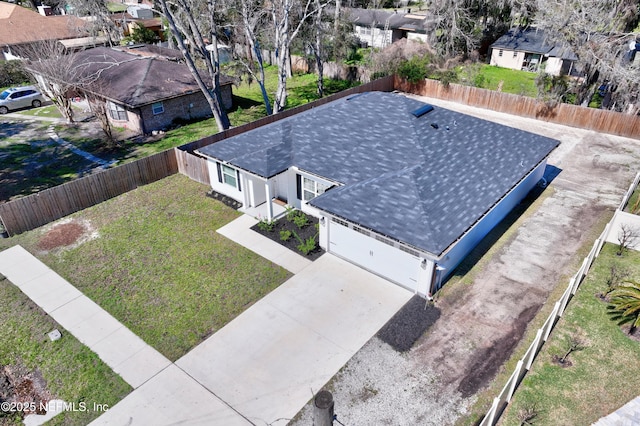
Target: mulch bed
[
  {"x": 408, "y": 324},
  {"x": 227, "y": 201},
  {"x": 292, "y": 243}
]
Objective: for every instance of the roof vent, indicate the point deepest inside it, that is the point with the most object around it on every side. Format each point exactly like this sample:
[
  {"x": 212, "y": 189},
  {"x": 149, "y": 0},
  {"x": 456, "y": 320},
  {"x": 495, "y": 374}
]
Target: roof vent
[
  {"x": 435, "y": 125},
  {"x": 422, "y": 110}
]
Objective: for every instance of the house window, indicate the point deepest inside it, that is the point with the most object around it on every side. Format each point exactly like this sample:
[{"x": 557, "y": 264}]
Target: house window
[
  {"x": 117, "y": 112},
  {"x": 229, "y": 176},
  {"x": 157, "y": 108},
  {"x": 311, "y": 188},
  {"x": 500, "y": 52}
]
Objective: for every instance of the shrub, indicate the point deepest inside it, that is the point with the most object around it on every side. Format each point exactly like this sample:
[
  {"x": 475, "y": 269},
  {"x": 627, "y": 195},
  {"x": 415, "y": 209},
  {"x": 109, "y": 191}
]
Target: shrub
[
  {"x": 301, "y": 220},
  {"x": 266, "y": 225},
  {"x": 12, "y": 73},
  {"x": 285, "y": 235},
  {"x": 308, "y": 246}
]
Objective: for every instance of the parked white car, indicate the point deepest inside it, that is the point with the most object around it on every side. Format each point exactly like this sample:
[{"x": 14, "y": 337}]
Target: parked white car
[{"x": 20, "y": 97}]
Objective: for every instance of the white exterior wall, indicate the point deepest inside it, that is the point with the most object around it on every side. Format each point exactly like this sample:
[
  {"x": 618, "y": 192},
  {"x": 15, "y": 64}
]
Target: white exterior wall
[
  {"x": 507, "y": 60},
  {"x": 461, "y": 249},
  {"x": 418, "y": 37},
  {"x": 409, "y": 270},
  {"x": 375, "y": 38},
  {"x": 553, "y": 66}
]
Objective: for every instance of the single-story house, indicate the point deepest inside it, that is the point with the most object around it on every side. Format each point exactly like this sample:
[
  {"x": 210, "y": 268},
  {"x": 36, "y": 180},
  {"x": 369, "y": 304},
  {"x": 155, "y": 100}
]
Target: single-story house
[
  {"x": 21, "y": 28},
  {"x": 401, "y": 188},
  {"x": 142, "y": 92},
  {"x": 379, "y": 28},
  {"x": 527, "y": 49}
]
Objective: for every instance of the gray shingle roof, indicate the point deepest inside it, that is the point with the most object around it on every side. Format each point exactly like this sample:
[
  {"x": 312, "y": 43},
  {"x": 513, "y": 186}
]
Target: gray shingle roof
[
  {"x": 135, "y": 80},
  {"x": 402, "y": 177}
]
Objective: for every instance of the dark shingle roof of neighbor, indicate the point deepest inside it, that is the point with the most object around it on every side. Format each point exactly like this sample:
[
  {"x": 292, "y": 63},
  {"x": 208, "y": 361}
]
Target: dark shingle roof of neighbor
[
  {"x": 135, "y": 80},
  {"x": 397, "y": 20},
  {"x": 401, "y": 176},
  {"x": 532, "y": 40}
]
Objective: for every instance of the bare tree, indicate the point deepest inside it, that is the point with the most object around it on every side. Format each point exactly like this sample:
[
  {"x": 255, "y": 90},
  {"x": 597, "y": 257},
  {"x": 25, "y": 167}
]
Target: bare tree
[
  {"x": 99, "y": 109},
  {"x": 55, "y": 73},
  {"x": 573, "y": 343},
  {"x": 285, "y": 31},
  {"x": 181, "y": 16},
  {"x": 600, "y": 33},
  {"x": 100, "y": 19},
  {"x": 317, "y": 47},
  {"x": 627, "y": 237},
  {"x": 251, "y": 15}
]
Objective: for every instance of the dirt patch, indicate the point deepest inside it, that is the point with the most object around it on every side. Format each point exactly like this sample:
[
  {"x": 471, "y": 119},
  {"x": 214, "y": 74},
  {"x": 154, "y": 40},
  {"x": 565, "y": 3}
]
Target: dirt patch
[
  {"x": 408, "y": 324},
  {"x": 564, "y": 363},
  {"x": 66, "y": 234},
  {"x": 25, "y": 390},
  {"x": 484, "y": 363}
]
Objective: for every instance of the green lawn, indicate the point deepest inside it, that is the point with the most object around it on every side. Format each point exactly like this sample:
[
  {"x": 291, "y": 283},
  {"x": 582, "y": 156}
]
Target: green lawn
[
  {"x": 72, "y": 372},
  {"x": 31, "y": 162},
  {"x": 301, "y": 89},
  {"x": 45, "y": 111},
  {"x": 489, "y": 77},
  {"x": 603, "y": 375},
  {"x": 160, "y": 267}
]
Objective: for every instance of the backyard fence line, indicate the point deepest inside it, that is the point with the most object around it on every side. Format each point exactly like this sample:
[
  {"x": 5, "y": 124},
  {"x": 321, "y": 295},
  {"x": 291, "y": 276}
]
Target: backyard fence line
[
  {"x": 615, "y": 123},
  {"x": 523, "y": 366},
  {"x": 193, "y": 166},
  {"x": 27, "y": 213},
  {"x": 385, "y": 84}
]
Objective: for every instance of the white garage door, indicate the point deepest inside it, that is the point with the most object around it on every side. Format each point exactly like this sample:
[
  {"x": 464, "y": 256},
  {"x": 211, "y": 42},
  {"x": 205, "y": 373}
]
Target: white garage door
[{"x": 376, "y": 256}]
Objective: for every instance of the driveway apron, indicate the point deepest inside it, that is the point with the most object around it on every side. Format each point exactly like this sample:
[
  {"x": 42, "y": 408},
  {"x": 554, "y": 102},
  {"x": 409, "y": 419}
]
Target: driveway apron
[{"x": 268, "y": 362}]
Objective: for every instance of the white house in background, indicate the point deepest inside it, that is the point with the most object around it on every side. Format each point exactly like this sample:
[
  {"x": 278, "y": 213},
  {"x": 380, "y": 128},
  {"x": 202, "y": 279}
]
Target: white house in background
[
  {"x": 402, "y": 188},
  {"x": 528, "y": 49},
  {"x": 379, "y": 28}
]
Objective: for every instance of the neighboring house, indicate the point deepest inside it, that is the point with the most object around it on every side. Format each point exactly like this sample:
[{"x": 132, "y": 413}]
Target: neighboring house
[
  {"x": 21, "y": 28},
  {"x": 528, "y": 49},
  {"x": 136, "y": 15},
  {"x": 379, "y": 28},
  {"x": 142, "y": 93},
  {"x": 403, "y": 189}
]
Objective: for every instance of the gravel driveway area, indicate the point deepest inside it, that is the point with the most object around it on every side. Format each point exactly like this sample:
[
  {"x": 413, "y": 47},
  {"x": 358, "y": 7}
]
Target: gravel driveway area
[{"x": 481, "y": 323}]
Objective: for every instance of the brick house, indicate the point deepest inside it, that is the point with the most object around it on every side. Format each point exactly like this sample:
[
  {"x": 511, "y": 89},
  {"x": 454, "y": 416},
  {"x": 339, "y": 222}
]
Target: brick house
[{"x": 144, "y": 92}]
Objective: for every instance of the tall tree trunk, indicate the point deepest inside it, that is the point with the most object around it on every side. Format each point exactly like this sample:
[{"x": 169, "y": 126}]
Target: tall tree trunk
[
  {"x": 222, "y": 120},
  {"x": 318, "y": 48}
]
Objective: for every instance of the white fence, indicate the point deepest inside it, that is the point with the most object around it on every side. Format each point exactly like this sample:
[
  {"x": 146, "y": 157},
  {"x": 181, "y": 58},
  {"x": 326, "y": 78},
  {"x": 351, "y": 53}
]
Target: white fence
[{"x": 524, "y": 364}]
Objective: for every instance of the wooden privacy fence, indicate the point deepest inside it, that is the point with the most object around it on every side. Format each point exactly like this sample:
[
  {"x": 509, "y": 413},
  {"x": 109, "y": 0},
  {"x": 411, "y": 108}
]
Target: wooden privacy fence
[
  {"x": 193, "y": 166},
  {"x": 599, "y": 120},
  {"x": 32, "y": 211},
  {"x": 524, "y": 364}
]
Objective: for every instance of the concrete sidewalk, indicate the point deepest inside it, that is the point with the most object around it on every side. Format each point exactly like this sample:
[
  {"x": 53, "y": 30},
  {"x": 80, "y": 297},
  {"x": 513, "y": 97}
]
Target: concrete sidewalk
[
  {"x": 627, "y": 415},
  {"x": 163, "y": 393},
  {"x": 238, "y": 231},
  {"x": 116, "y": 345}
]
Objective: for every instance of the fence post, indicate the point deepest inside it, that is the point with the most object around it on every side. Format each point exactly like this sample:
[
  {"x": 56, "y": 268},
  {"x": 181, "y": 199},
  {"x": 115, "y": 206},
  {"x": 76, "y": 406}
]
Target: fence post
[
  {"x": 323, "y": 409},
  {"x": 515, "y": 378},
  {"x": 536, "y": 344}
]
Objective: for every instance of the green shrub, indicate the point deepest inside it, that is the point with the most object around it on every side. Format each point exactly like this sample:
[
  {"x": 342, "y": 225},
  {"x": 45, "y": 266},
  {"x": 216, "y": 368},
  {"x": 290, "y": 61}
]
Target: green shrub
[
  {"x": 301, "y": 220},
  {"x": 12, "y": 73},
  {"x": 308, "y": 246},
  {"x": 414, "y": 70},
  {"x": 266, "y": 225},
  {"x": 285, "y": 235}
]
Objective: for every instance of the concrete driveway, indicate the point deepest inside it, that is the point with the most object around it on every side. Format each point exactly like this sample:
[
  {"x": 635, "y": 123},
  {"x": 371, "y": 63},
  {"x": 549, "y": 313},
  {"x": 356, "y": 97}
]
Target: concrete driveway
[{"x": 267, "y": 363}]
